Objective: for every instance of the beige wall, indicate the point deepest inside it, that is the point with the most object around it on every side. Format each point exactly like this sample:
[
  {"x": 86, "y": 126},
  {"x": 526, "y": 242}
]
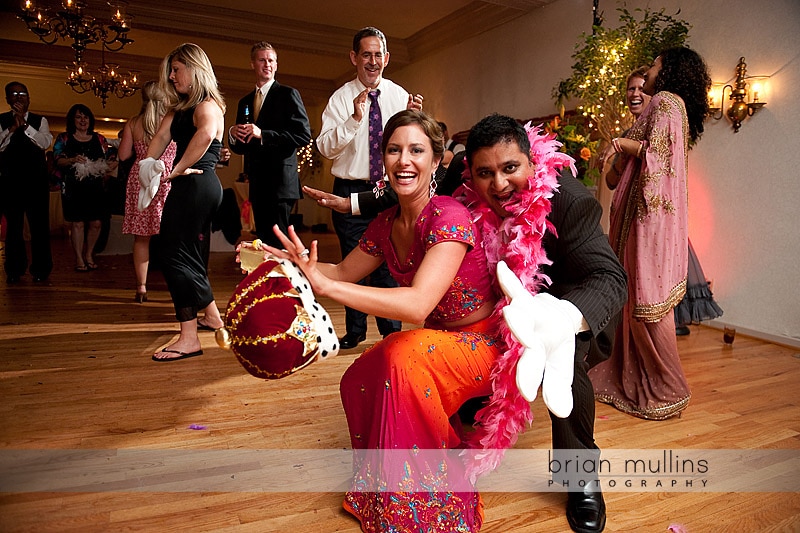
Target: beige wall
[{"x": 744, "y": 188}]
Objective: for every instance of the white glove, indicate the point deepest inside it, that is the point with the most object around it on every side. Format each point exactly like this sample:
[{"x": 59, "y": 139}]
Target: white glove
[
  {"x": 546, "y": 328},
  {"x": 150, "y": 171}
]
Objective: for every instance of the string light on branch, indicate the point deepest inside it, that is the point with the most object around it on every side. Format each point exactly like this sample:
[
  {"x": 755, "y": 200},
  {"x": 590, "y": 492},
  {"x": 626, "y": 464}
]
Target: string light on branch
[
  {"x": 308, "y": 159},
  {"x": 604, "y": 59}
]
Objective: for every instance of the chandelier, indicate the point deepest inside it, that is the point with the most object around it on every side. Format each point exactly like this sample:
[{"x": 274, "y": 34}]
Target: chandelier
[
  {"x": 107, "y": 81},
  {"x": 70, "y": 22}
]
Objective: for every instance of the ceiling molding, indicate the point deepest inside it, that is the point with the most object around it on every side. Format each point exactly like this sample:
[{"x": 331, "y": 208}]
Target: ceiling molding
[
  {"x": 472, "y": 20},
  {"x": 318, "y": 39},
  {"x": 50, "y": 62},
  {"x": 524, "y": 5},
  {"x": 241, "y": 26},
  {"x": 312, "y": 44}
]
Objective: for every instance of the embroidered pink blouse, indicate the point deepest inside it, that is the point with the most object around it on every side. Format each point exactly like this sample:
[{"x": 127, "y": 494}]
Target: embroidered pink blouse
[
  {"x": 443, "y": 219},
  {"x": 649, "y": 211}
]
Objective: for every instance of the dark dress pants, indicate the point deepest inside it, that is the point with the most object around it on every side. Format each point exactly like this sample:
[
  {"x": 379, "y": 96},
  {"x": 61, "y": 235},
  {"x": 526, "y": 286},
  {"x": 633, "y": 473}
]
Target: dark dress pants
[
  {"x": 349, "y": 229},
  {"x": 573, "y": 437},
  {"x": 33, "y": 201},
  {"x": 269, "y": 211}
]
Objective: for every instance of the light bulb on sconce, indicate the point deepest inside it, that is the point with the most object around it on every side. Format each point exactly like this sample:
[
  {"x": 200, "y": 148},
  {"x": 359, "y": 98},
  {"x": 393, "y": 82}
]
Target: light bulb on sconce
[
  {"x": 758, "y": 92},
  {"x": 746, "y": 96},
  {"x": 715, "y": 98}
]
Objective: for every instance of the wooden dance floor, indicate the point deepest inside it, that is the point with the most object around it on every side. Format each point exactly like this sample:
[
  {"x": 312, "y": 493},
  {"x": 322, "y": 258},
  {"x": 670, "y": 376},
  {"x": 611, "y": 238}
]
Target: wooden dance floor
[{"x": 78, "y": 390}]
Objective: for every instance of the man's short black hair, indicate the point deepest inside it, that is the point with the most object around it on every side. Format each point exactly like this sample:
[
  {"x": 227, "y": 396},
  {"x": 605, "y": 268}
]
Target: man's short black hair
[
  {"x": 11, "y": 84},
  {"x": 493, "y": 130}
]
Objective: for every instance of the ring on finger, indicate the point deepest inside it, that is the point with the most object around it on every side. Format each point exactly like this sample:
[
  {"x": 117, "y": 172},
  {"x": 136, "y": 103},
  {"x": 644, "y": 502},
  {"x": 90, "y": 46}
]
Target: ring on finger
[{"x": 305, "y": 253}]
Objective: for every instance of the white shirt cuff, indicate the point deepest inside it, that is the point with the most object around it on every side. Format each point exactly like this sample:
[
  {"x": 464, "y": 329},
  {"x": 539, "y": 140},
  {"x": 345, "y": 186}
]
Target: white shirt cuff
[
  {"x": 355, "y": 209},
  {"x": 578, "y": 321}
]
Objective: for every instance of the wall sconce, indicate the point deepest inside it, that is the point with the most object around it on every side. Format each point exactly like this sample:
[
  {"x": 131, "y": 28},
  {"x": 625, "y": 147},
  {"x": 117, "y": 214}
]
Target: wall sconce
[{"x": 746, "y": 96}]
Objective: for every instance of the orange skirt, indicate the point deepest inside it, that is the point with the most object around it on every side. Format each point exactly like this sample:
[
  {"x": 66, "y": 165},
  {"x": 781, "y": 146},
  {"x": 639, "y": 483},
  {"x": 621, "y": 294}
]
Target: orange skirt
[{"x": 399, "y": 398}]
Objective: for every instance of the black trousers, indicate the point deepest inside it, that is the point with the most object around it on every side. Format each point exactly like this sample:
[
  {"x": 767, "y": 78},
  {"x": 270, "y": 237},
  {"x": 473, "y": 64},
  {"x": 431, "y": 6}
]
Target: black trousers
[
  {"x": 32, "y": 201},
  {"x": 269, "y": 212},
  {"x": 349, "y": 229},
  {"x": 573, "y": 437},
  {"x": 269, "y": 209},
  {"x": 185, "y": 240}
]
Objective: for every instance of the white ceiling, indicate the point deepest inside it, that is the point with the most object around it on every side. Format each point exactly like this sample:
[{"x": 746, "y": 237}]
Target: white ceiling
[{"x": 312, "y": 37}]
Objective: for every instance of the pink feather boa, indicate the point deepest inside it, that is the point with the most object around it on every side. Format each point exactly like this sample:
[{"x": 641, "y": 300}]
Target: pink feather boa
[{"x": 516, "y": 239}]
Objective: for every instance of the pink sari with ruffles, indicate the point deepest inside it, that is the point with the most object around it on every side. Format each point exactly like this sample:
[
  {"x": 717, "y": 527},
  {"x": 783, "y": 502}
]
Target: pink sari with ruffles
[{"x": 649, "y": 232}]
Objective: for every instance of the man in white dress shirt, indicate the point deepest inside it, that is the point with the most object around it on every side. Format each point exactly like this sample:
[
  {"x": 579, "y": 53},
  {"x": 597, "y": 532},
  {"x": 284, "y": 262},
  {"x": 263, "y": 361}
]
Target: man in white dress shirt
[{"x": 345, "y": 138}]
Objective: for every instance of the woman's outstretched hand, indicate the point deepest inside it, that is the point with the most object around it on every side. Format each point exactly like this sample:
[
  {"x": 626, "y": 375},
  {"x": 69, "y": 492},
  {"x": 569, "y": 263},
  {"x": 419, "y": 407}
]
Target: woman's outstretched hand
[
  {"x": 305, "y": 258},
  {"x": 293, "y": 248}
]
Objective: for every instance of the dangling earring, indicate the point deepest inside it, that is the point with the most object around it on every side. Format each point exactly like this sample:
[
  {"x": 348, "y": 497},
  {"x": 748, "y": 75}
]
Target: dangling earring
[{"x": 432, "y": 190}]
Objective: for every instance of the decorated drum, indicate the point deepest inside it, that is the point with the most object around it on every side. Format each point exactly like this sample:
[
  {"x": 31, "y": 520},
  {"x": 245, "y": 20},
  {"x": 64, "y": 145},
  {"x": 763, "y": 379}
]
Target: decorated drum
[{"x": 273, "y": 323}]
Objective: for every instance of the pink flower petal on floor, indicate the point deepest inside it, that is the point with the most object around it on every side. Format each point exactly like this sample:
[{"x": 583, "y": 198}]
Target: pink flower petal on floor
[
  {"x": 677, "y": 528},
  {"x": 197, "y": 427},
  {"x": 603, "y": 417}
]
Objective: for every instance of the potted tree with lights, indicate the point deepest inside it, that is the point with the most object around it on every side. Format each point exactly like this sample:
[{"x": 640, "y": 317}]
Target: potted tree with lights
[{"x": 604, "y": 59}]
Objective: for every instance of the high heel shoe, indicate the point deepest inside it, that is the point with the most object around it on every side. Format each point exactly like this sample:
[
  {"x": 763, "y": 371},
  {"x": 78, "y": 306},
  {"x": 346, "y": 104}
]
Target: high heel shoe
[{"x": 141, "y": 296}]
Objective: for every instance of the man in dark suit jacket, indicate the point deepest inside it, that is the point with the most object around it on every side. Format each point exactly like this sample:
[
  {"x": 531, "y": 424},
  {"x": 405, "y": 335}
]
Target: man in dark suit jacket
[
  {"x": 271, "y": 123},
  {"x": 584, "y": 272}
]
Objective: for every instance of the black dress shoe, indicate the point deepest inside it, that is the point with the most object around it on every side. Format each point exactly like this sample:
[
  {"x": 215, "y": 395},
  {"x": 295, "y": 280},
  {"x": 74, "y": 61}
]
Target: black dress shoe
[
  {"x": 586, "y": 511},
  {"x": 680, "y": 331},
  {"x": 351, "y": 340}
]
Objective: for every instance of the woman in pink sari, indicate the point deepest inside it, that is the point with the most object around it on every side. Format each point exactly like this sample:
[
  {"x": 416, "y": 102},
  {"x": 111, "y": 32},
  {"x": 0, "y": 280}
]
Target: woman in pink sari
[
  {"x": 401, "y": 395},
  {"x": 649, "y": 232}
]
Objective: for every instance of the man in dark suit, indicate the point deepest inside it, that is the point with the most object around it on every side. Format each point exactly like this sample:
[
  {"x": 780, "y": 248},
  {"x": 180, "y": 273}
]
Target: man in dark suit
[
  {"x": 586, "y": 277},
  {"x": 24, "y": 181},
  {"x": 271, "y": 123}
]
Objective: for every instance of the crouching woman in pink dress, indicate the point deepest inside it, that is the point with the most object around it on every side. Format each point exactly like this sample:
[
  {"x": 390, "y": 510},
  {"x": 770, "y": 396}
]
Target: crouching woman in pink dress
[{"x": 400, "y": 395}]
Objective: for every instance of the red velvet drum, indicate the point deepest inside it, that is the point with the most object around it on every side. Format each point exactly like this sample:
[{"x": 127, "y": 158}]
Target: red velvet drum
[{"x": 273, "y": 323}]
